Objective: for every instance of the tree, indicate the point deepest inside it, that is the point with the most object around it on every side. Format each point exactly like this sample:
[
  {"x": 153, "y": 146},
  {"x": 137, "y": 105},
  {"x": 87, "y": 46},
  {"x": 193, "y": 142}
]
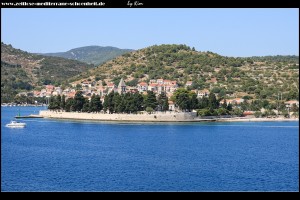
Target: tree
[
  {"x": 138, "y": 101},
  {"x": 294, "y": 108},
  {"x": 222, "y": 93},
  {"x": 63, "y": 102},
  {"x": 212, "y": 101},
  {"x": 183, "y": 102},
  {"x": 238, "y": 112},
  {"x": 224, "y": 105},
  {"x": 69, "y": 105},
  {"x": 182, "y": 98},
  {"x": 86, "y": 106},
  {"x": 95, "y": 104},
  {"x": 78, "y": 101},
  {"x": 163, "y": 102},
  {"x": 149, "y": 110},
  {"x": 229, "y": 107},
  {"x": 109, "y": 103},
  {"x": 120, "y": 103},
  {"x": 150, "y": 100},
  {"x": 203, "y": 103},
  {"x": 58, "y": 102},
  {"x": 78, "y": 87},
  {"x": 194, "y": 101},
  {"x": 257, "y": 114},
  {"x": 51, "y": 105},
  {"x": 222, "y": 111}
]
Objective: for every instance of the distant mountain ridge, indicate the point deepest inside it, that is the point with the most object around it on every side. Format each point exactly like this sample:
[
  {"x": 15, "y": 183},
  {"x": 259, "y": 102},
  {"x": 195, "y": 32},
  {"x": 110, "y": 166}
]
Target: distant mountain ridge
[{"x": 91, "y": 54}]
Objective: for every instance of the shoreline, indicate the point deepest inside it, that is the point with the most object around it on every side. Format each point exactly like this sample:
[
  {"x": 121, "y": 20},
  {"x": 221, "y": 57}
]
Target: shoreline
[{"x": 154, "y": 117}]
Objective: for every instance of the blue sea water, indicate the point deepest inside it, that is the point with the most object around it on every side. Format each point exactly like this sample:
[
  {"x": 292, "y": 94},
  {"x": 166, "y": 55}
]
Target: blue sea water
[{"x": 60, "y": 155}]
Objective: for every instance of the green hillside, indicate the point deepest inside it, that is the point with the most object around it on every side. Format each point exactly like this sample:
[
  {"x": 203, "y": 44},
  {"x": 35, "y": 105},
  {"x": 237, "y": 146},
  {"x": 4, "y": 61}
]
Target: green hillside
[
  {"x": 256, "y": 77},
  {"x": 21, "y": 70},
  {"x": 91, "y": 54}
]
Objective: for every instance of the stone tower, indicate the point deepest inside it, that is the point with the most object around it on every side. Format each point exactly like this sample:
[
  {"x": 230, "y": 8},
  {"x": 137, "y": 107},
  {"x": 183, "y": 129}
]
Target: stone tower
[{"x": 122, "y": 87}]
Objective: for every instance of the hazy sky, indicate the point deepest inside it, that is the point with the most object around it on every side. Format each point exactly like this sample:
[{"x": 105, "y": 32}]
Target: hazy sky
[{"x": 228, "y": 32}]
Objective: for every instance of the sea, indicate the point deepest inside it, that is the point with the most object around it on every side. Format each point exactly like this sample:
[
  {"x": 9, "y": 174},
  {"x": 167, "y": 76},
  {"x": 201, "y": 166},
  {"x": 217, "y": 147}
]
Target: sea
[{"x": 64, "y": 155}]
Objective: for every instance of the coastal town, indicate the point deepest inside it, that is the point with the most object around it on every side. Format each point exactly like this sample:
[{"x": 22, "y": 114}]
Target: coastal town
[{"x": 160, "y": 86}]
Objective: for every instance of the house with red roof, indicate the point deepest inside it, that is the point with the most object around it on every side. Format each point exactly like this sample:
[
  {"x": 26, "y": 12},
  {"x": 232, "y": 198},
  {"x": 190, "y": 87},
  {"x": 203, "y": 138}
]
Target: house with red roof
[{"x": 143, "y": 86}]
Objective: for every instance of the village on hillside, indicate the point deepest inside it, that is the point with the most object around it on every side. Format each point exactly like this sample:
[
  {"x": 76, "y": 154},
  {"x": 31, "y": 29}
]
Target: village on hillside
[
  {"x": 157, "y": 86},
  {"x": 89, "y": 88}
]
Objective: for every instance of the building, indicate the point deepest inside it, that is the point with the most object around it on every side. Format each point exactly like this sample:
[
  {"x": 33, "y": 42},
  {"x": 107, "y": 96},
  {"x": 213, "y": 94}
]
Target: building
[
  {"x": 121, "y": 87},
  {"x": 153, "y": 87},
  {"x": 160, "y": 81},
  {"x": 143, "y": 86},
  {"x": 110, "y": 87},
  {"x": 202, "y": 93},
  {"x": 49, "y": 88},
  {"x": 289, "y": 104}
]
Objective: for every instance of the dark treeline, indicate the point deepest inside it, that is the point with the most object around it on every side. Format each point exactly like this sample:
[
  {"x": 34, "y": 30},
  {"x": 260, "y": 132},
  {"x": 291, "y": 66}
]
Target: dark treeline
[
  {"x": 113, "y": 103},
  {"x": 183, "y": 99}
]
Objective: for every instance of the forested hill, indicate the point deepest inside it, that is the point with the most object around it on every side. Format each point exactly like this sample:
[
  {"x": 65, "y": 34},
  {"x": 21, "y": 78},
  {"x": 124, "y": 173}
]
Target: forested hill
[
  {"x": 254, "y": 76},
  {"x": 21, "y": 70},
  {"x": 278, "y": 58},
  {"x": 91, "y": 54}
]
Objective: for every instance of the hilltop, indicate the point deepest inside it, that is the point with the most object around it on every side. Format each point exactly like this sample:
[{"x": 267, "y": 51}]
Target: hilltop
[
  {"x": 91, "y": 54},
  {"x": 252, "y": 77},
  {"x": 21, "y": 70}
]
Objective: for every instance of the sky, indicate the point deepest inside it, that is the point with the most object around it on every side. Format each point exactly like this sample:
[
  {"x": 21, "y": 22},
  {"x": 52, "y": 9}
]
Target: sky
[{"x": 228, "y": 32}]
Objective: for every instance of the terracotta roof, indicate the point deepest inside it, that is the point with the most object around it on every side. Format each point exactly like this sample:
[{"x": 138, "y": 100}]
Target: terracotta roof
[
  {"x": 291, "y": 102},
  {"x": 49, "y": 86},
  {"x": 143, "y": 84},
  {"x": 248, "y": 113}
]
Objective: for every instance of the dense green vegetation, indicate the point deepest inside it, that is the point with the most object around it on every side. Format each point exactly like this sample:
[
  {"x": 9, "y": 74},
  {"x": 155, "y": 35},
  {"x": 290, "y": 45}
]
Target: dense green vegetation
[
  {"x": 185, "y": 100},
  {"x": 278, "y": 58},
  {"x": 113, "y": 103},
  {"x": 23, "y": 71},
  {"x": 264, "y": 82},
  {"x": 260, "y": 78},
  {"x": 91, "y": 54}
]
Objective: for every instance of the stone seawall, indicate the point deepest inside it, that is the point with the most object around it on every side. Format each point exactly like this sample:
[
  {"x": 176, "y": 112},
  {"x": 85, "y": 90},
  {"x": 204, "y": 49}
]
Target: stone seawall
[{"x": 154, "y": 117}]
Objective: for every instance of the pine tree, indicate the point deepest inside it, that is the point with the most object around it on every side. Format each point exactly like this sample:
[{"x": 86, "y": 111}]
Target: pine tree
[
  {"x": 183, "y": 101},
  {"x": 108, "y": 103},
  {"x": 224, "y": 105},
  {"x": 57, "y": 102},
  {"x": 194, "y": 101},
  {"x": 163, "y": 102},
  {"x": 212, "y": 101},
  {"x": 150, "y": 100},
  {"x": 63, "y": 102},
  {"x": 69, "y": 105},
  {"x": 78, "y": 101},
  {"x": 52, "y": 101},
  {"x": 86, "y": 106}
]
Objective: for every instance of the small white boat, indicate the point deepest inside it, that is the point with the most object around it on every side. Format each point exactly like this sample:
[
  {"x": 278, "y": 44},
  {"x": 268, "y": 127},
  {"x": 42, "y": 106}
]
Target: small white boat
[{"x": 15, "y": 124}]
